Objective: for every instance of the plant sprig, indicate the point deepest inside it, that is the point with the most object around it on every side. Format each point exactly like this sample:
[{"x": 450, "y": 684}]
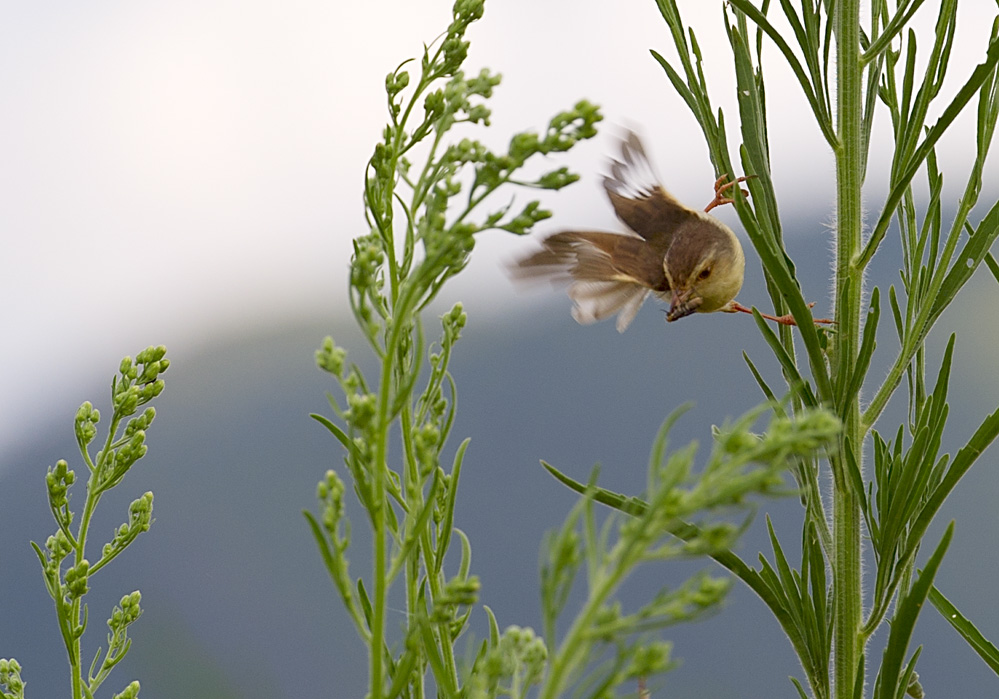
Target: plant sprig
[
  {"x": 65, "y": 567},
  {"x": 427, "y": 198},
  {"x": 682, "y": 514}
]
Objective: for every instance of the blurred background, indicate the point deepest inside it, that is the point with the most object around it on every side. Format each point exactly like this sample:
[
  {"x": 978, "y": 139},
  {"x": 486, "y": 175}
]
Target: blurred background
[{"x": 190, "y": 175}]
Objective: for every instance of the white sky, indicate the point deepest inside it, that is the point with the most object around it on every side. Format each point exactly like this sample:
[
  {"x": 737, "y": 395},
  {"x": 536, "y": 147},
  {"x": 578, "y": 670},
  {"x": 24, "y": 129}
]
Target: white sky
[{"x": 203, "y": 159}]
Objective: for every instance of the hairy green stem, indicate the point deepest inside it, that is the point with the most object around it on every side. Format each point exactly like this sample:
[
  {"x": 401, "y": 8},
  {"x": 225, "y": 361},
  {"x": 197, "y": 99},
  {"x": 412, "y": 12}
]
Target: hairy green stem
[{"x": 846, "y": 563}]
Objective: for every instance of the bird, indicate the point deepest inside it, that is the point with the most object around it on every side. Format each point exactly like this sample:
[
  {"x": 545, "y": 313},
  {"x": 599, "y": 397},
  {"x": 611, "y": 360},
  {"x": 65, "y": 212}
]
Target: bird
[{"x": 683, "y": 255}]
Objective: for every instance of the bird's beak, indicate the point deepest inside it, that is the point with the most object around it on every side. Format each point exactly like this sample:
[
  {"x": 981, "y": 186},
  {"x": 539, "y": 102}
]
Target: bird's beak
[{"x": 682, "y": 304}]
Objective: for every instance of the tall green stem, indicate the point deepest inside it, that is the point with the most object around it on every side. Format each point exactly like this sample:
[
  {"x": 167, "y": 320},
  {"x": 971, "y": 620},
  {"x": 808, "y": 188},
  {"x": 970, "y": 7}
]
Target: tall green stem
[
  {"x": 847, "y": 591},
  {"x": 380, "y": 467}
]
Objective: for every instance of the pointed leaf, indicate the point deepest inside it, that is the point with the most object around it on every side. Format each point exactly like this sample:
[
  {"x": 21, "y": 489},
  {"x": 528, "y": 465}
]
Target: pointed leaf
[
  {"x": 444, "y": 529},
  {"x": 981, "y": 73},
  {"x": 821, "y": 116},
  {"x": 866, "y": 347},
  {"x": 335, "y": 431},
  {"x": 981, "y": 645},
  {"x": 905, "y": 620}
]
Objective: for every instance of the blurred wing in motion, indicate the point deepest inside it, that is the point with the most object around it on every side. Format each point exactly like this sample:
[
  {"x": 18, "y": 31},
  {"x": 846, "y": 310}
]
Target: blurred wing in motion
[
  {"x": 611, "y": 273},
  {"x": 640, "y": 201}
]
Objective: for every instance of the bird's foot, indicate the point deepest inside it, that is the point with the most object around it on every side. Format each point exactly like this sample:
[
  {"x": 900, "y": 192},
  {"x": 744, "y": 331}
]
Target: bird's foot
[
  {"x": 721, "y": 186},
  {"x": 787, "y": 319}
]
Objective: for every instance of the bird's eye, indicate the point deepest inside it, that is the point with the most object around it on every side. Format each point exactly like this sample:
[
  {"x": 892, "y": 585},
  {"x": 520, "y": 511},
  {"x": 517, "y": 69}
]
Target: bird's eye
[{"x": 705, "y": 273}]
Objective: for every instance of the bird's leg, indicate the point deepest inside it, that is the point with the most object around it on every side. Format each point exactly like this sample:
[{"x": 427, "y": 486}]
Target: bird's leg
[
  {"x": 788, "y": 319},
  {"x": 720, "y": 186}
]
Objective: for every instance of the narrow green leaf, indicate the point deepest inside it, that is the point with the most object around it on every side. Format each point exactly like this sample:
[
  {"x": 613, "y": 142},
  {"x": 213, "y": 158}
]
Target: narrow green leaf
[
  {"x": 905, "y": 620},
  {"x": 445, "y": 527},
  {"x": 856, "y": 478},
  {"x": 754, "y": 132},
  {"x": 992, "y": 265},
  {"x": 905, "y": 106},
  {"x": 808, "y": 42},
  {"x": 967, "y": 261},
  {"x": 678, "y": 84},
  {"x": 858, "y": 688},
  {"x": 966, "y": 457},
  {"x": 444, "y": 679},
  {"x": 896, "y": 312},
  {"x": 414, "y": 525},
  {"x": 866, "y": 347},
  {"x": 321, "y": 542},
  {"x": 985, "y": 648},
  {"x": 821, "y": 115},
  {"x": 362, "y": 596},
  {"x": 981, "y": 73},
  {"x": 771, "y": 577},
  {"x": 870, "y": 102},
  {"x": 401, "y": 672},
  {"x": 794, "y": 380},
  {"x": 787, "y": 578},
  {"x": 452, "y": 408},
  {"x": 898, "y": 22},
  {"x": 812, "y": 552},
  {"x": 661, "y": 441},
  {"x": 335, "y": 431},
  {"x": 775, "y": 263},
  {"x": 494, "y": 632},
  {"x": 466, "y": 555},
  {"x": 778, "y": 408}
]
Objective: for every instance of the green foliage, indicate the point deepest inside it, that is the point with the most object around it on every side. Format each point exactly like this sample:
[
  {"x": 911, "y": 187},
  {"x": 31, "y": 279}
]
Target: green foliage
[
  {"x": 427, "y": 197},
  {"x": 11, "y": 685},
  {"x": 423, "y": 212},
  {"x": 424, "y": 195},
  {"x": 65, "y": 567},
  {"x": 846, "y": 73},
  {"x": 681, "y": 515}
]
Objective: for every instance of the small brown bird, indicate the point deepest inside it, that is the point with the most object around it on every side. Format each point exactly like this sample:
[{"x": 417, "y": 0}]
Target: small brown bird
[{"x": 678, "y": 253}]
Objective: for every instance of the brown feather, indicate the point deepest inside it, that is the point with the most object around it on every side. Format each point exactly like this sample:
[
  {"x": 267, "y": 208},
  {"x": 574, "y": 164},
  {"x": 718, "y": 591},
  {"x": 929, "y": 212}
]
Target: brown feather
[
  {"x": 596, "y": 256},
  {"x": 612, "y": 273},
  {"x": 640, "y": 201}
]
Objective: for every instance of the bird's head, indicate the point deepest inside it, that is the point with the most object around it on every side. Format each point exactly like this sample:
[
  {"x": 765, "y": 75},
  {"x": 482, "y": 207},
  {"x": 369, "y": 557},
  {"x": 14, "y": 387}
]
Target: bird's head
[{"x": 704, "y": 267}]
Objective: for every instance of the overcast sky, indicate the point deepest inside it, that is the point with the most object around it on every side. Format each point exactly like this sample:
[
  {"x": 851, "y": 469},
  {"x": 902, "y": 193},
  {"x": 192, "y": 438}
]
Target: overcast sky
[{"x": 203, "y": 159}]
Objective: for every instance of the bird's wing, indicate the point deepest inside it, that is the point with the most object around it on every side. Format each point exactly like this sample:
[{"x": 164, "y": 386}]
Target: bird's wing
[
  {"x": 598, "y": 300},
  {"x": 595, "y": 256},
  {"x": 638, "y": 198},
  {"x": 610, "y": 273}
]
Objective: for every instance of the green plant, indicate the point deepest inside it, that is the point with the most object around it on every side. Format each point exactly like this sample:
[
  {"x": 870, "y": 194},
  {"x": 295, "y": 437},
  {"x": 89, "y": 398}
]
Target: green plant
[
  {"x": 421, "y": 236},
  {"x": 421, "y": 194},
  {"x": 847, "y": 72},
  {"x": 680, "y": 515},
  {"x": 65, "y": 566}
]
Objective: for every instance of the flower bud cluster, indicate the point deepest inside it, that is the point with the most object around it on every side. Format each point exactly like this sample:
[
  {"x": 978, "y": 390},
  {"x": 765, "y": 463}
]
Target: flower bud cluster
[
  {"x": 139, "y": 380},
  {"x": 329, "y": 492},
  {"x": 127, "y": 611},
  {"x": 85, "y": 424},
  {"x": 58, "y": 481},
  {"x": 140, "y": 518},
  {"x": 130, "y": 692},
  {"x": 11, "y": 684},
  {"x": 76, "y": 579},
  {"x": 458, "y": 592},
  {"x": 331, "y": 358},
  {"x": 519, "y": 659}
]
